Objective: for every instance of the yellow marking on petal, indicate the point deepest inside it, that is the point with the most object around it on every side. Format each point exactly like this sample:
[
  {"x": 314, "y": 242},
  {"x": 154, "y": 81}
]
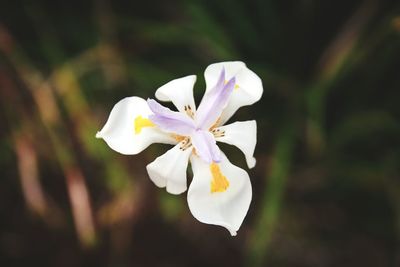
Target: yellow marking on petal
[
  {"x": 219, "y": 182},
  {"x": 141, "y": 123},
  {"x": 236, "y": 85}
]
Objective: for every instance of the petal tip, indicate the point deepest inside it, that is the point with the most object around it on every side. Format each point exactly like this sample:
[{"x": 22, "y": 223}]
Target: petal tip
[
  {"x": 233, "y": 233},
  {"x": 152, "y": 103},
  {"x": 251, "y": 163},
  {"x": 232, "y": 230},
  {"x": 158, "y": 180},
  {"x": 99, "y": 135},
  {"x": 230, "y": 85},
  {"x": 175, "y": 191}
]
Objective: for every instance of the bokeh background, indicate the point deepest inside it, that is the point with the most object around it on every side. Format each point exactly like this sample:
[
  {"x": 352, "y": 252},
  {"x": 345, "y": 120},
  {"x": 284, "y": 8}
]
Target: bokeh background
[{"x": 326, "y": 189}]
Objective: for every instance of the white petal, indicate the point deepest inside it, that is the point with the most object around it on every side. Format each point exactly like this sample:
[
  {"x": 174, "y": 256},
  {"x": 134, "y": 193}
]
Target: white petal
[
  {"x": 179, "y": 91},
  {"x": 227, "y": 208},
  {"x": 119, "y": 131},
  {"x": 243, "y": 135},
  {"x": 212, "y": 72},
  {"x": 248, "y": 85},
  {"x": 169, "y": 169}
]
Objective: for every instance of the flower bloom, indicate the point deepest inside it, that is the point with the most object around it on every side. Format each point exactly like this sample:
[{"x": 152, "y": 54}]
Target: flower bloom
[{"x": 220, "y": 192}]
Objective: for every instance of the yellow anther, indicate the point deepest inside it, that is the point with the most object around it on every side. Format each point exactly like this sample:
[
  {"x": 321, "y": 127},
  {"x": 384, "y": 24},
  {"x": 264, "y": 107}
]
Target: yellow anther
[
  {"x": 178, "y": 137},
  {"x": 215, "y": 125},
  {"x": 141, "y": 122},
  {"x": 219, "y": 182}
]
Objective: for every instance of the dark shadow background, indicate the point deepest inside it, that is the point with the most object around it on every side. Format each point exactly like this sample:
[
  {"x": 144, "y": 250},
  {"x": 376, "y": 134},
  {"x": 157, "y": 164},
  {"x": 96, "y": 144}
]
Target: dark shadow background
[{"x": 326, "y": 189}]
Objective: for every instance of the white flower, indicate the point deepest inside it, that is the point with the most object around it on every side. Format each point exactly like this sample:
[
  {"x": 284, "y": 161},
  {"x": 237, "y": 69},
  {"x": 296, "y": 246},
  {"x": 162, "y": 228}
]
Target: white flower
[{"x": 220, "y": 193}]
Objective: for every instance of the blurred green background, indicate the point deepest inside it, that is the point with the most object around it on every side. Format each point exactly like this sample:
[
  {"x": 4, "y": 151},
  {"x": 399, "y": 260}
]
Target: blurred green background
[{"x": 326, "y": 189}]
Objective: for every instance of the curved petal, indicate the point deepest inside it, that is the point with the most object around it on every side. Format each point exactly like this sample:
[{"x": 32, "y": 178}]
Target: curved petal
[
  {"x": 128, "y": 129},
  {"x": 169, "y": 169},
  {"x": 180, "y": 92},
  {"x": 170, "y": 121},
  {"x": 220, "y": 194},
  {"x": 248, "y": 88},
  {"x": 214, "y": 102},
  {"x": 243, "y": 135}
]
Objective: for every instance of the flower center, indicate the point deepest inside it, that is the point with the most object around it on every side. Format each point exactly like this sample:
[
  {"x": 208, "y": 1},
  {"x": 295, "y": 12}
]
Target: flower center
[
  {"x": 141, "y": 123},
  {"x": 219, "y": 182}
]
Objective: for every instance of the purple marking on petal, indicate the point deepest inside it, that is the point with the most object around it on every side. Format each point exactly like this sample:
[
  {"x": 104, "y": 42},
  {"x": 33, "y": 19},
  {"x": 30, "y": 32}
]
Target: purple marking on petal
[
  {"x": 170, "y": 121},
  {"x": 206, "y": 146},
  {"x": 220, "y": 83},
  {"x": 214, "y": 102}
]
